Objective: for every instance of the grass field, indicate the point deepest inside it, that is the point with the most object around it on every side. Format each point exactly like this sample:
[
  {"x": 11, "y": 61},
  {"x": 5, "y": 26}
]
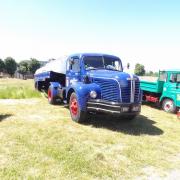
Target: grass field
[
  {"x": 17, "y": 89},
  {"x": 39, "y": 141}
]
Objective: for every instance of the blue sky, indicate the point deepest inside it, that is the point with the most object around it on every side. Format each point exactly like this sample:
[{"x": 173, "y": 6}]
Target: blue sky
[{"x": 137, "y": 31}]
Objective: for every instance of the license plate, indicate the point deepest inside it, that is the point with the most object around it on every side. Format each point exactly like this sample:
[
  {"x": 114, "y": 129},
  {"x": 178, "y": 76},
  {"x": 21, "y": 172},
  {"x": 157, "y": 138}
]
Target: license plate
[
  {"x": 125, "y": 109},
  {"x": 135, "y": 108}
]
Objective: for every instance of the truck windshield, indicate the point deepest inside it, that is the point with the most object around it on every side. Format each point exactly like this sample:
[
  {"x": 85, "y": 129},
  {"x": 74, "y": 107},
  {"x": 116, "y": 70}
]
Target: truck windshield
[{"x": 99, "y": 62}]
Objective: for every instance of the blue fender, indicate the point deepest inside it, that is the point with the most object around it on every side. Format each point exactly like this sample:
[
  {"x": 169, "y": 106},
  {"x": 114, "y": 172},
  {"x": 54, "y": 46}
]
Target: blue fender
[
  {"x": 54, "y": 86},
  {"x": 83, "y": 92}
]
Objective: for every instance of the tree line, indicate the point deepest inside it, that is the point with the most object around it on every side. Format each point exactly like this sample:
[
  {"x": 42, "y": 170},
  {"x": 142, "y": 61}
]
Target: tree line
[
  {"x": 10, "y": 66},
  {"x": 140, "y": 71}
]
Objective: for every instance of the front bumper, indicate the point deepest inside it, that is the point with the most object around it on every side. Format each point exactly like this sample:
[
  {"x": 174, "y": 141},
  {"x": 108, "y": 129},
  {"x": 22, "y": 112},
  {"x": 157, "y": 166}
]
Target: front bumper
[{"x": 99, "y": 105}]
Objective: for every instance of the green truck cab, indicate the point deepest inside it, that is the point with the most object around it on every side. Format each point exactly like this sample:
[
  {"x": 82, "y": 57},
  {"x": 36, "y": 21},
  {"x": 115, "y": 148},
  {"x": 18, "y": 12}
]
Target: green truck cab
[{"x": 165, "y": 91}]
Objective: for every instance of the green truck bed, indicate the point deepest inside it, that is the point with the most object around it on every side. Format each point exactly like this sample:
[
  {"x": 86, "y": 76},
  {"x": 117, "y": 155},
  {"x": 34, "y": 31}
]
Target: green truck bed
[{"x": 155, "y": 87}]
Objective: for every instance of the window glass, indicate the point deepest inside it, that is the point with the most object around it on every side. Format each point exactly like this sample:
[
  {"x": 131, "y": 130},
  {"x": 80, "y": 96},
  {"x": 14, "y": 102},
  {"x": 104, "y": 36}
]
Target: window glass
[
  {"x": 162, "y": 76},
  {"x": 112, "y": 63},
  {"x": 93, "y": 62},
  {"x": 178, "y": 78},
  {"x": 75, "y": 65},
  {"x": 173, "y": 78},
  {"x": 102, "y": 62}
]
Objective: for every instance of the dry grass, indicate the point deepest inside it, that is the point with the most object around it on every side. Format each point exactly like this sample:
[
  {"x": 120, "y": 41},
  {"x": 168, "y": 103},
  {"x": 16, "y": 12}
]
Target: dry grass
[{"x": 40, "y": 141}]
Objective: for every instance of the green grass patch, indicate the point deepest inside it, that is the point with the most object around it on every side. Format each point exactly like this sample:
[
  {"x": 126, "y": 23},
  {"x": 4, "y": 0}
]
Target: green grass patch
[
  {"x": 40, "y": 141},
  {"x": 17, "y": 89}
]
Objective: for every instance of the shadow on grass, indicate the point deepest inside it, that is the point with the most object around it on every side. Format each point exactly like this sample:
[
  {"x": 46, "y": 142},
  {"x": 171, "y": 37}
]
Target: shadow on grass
[
  {"x": 152, "y": 105},
  {"x": 139, "y": 125},
  {"x": 4, "y": 116}
]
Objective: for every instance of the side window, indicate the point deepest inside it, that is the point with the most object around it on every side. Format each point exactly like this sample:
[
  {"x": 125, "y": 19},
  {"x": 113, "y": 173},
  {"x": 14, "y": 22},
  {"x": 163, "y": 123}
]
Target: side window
[
  {"x": 74, "y": 64},
  {"x": 175, "y": 78},
  {"x": 178, "y": 78}
]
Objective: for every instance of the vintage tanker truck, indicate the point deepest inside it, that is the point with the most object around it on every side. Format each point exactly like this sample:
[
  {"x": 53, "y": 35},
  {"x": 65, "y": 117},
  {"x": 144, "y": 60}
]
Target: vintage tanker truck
[{"x": 91, "y": 83}]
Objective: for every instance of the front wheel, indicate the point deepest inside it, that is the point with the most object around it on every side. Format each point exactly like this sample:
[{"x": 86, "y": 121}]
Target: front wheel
[
  {"x": 168, "y": 106},
  {"x": 77, "y": 114}
]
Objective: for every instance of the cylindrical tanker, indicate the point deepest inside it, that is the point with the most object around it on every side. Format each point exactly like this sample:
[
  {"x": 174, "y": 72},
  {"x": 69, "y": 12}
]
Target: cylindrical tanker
[
  {"x": 58, "y": 66},
  {"x": 53, "y": 71}
]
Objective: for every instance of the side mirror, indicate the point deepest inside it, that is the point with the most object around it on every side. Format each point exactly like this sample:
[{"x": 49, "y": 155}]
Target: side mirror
[{"x": 71, "y": 61}]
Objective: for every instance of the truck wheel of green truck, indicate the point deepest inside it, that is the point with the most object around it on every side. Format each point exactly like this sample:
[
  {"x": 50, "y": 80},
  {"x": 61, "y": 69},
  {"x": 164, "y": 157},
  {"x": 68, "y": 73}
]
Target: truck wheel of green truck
[
  {"x": 168, "y": 106},
  {"x": 77, "y": 114}
]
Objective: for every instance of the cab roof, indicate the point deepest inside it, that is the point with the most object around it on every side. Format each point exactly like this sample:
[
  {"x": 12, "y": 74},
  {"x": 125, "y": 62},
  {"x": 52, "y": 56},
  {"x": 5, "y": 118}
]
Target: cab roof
[
  {"x": 170, "y": 70},
  {"x": 93, "y": 54}
]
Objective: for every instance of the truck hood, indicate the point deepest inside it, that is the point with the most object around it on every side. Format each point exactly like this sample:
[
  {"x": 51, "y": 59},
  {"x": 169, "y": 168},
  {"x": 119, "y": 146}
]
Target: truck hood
[{"x": 120, "y": 76}]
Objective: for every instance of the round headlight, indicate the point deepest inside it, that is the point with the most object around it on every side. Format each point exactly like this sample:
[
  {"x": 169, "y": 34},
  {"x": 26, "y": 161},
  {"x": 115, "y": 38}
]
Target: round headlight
[{"x": 93, "y": 94}]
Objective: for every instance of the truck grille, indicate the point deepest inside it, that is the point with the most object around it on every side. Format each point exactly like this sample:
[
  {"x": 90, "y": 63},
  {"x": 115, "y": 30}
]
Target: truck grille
[
  {"x": 126, "y": 92},
  {"x": 137, "y": 91},
  {"x": 109, "y": 89}
]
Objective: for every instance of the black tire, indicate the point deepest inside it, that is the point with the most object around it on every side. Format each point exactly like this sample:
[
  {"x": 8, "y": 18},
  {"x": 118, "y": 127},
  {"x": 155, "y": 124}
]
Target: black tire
[
  {"x": 38, "y": 86},
  {"x": 77, "y": 114},
  {"x": 51, "y": 99},
  {"x": 168, "y": 106}
]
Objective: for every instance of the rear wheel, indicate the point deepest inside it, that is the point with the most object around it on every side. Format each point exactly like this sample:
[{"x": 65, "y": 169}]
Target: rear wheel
[
  {"x": 37, "y": 86},
  {"x": 77, "y": 114},
  {"x": 51, "y": 99},
  {"x": 168, "y": 106}
]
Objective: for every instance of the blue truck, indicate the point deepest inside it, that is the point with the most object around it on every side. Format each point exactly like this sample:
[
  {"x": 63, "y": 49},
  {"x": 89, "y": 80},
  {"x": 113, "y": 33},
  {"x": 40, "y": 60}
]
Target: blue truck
[{"x": 91, "y": 82}]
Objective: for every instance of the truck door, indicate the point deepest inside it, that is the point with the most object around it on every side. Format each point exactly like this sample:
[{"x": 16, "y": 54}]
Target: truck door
[
  {"x": 73, "y": 71},
  {"x": 173, "y": 87}
]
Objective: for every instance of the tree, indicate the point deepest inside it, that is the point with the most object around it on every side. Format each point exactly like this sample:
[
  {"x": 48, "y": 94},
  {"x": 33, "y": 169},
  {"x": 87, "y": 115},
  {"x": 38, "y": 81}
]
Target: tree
[
  {"x": 34, "y": 64},
  {"x": 10, "y": 65},
  {"x": 2, "y": 65},
  {"x": 151, "y": 73},
  {"x": 23, "y": 67},
  {"x": 139, "y": 69}
]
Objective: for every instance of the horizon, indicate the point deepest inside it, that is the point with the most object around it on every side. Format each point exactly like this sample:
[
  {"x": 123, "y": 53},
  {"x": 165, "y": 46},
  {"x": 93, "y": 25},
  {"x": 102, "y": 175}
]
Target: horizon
[{"x": 136, "y": 31}]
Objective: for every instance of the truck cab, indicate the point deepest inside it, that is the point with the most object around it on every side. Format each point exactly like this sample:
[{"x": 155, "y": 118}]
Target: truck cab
[
  {"x": 96, "y": 83},
  {"x": 165, "y": 91}
]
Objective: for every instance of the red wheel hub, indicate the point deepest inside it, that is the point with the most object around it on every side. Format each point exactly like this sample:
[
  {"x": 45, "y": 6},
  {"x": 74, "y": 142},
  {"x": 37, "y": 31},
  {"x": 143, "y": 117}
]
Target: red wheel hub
[
  {"x": 167, "y": 106},
  {"x": 74, "y": 106},
  {"x": 49, "y": 94}
]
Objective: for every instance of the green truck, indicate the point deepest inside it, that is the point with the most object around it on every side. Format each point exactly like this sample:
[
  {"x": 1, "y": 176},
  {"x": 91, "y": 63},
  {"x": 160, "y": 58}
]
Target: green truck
[{"x": 165, "y": 91}]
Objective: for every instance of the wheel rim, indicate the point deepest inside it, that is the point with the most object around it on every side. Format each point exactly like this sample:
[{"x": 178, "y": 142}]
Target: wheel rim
[
  {"x": 74, "y": 106},
  {"x": 49, "y": 94},
  {"x": 168, "y": 106}
]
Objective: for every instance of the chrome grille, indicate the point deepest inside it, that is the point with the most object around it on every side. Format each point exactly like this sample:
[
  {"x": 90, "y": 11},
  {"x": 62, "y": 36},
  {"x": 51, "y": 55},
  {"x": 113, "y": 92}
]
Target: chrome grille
[
  {"x": 109, "y": 89},
  {"x": 126, "y": 92},
  {"x": 137, "y": 91}
]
